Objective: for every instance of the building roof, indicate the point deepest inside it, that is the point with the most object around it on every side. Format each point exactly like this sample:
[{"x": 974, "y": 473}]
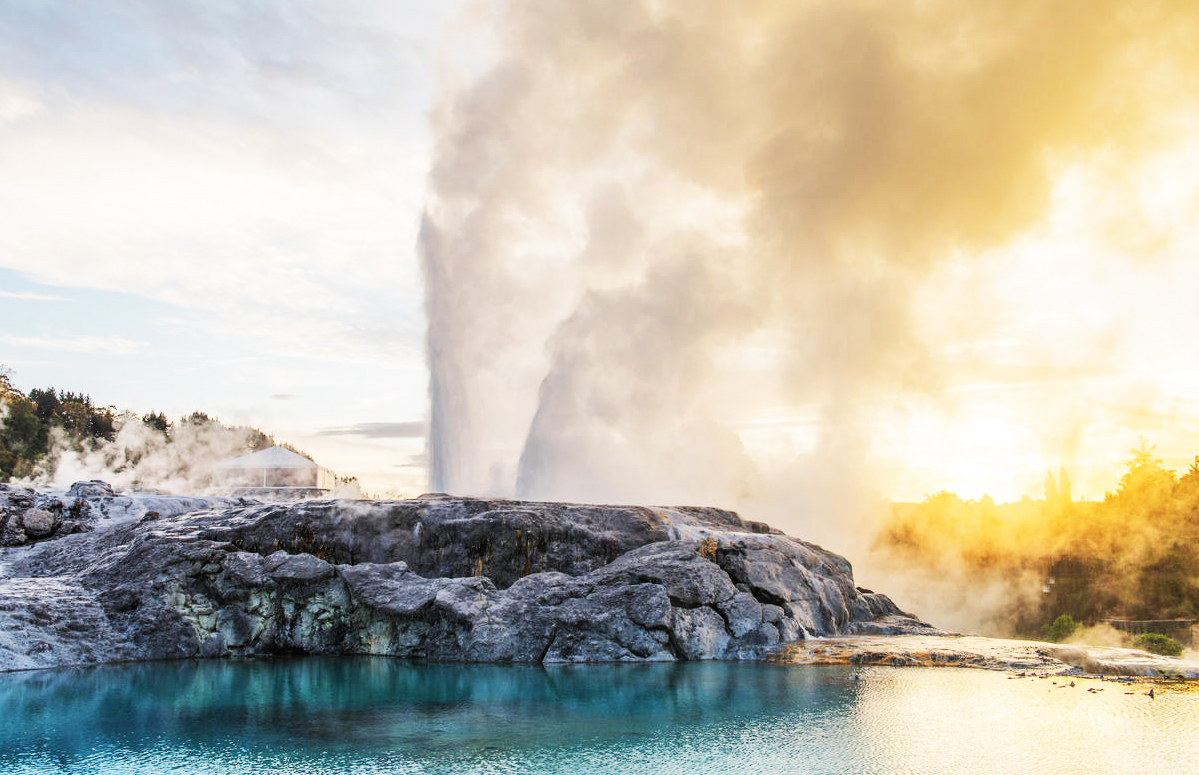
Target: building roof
[{"x": 273, "y": 457}]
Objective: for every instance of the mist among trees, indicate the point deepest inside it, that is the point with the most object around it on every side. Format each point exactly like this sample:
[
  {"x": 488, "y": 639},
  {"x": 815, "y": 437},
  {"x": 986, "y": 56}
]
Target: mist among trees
[
  {"x": 1017, "y": 567},
  {"x": 45, "y": 429}
]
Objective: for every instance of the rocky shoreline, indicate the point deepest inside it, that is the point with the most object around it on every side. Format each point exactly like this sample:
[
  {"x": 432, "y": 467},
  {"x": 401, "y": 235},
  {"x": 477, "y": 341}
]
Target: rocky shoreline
[
  {"x": 106, "y": 577},
  {"x": 1020, "y": 656}
]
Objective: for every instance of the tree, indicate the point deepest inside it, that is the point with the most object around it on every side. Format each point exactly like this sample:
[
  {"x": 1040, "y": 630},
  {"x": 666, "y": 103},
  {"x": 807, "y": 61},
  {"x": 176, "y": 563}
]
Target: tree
[
  {"x": 1146, "y": 478},
  {"x": 1187, "y": 493},
  {"x": 27, "y": 423},
  {"x": 102, "y": 423},
  {"x": 1051, "y": 493},
  {"x": 256, "y": 440},
  {"x": 1156, "y": 643},
  {"x": 158, "y": 421},
  {"x": 75, "y": 418},
  {"x": 1190, "y": 480},
  {"x": 47, "y": 403},
  {"x": 23, "y": 437},
  {"x": 1063, "y": 627}
]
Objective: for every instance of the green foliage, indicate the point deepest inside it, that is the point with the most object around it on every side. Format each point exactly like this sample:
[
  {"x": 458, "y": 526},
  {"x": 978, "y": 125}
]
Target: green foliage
[
  {"x": 1155, "y": 643},
  {"x": 23, "y": 436},
  {"x": 17, "y": 420},
  {"x": 74, "y": 413},
  {"x": 197, "y": 419},
  {"x": 1063, "y": 627},
  {"x": 256, "y": 440},
  {"x": 158, "y": 421},
  {"x": 47, "y": 403},
  {"x": 32, "y": 423}
]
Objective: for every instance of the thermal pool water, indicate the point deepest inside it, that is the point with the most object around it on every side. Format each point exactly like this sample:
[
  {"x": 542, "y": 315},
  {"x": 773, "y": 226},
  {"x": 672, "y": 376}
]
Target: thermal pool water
[{"x": 375, "y": 715}]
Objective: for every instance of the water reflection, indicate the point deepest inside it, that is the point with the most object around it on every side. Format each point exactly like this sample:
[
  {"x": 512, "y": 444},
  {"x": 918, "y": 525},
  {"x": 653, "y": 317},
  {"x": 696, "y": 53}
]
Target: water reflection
[
  {"x": 381, "y": 715},
  {"x": 366, "y": 708},
  {"x": 959, "y": 721}
]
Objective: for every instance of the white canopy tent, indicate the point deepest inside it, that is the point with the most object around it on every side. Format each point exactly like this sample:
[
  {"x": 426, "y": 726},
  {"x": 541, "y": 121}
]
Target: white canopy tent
[{"x": 276, "y": 468}]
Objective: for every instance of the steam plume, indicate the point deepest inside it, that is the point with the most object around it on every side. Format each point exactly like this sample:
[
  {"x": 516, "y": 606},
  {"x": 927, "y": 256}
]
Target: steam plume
[
  {"x": 639, "y": 196},
  {"x": 140, "y": 457}
]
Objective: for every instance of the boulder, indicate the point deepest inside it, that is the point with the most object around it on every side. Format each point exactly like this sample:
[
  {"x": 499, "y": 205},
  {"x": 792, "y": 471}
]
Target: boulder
[
  {"x": 24, "y": 520},
  {"x": 93, "y": 488},
  {"x": 39, "y": 523}
]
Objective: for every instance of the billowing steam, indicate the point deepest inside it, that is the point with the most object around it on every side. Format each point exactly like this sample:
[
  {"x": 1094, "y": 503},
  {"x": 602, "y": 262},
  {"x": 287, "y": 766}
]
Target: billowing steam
[
  {"x": 141, "y": 457},
  {"x": 653, "y": 222}
]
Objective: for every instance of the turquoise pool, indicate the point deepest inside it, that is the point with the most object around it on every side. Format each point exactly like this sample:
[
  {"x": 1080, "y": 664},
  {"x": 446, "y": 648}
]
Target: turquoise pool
[{"x": 366, "y": 715}]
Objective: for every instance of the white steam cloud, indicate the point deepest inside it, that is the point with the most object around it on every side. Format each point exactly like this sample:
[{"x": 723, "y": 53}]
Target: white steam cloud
[
  {"x": 141, "y": 457},
  {"x": 650, "y": 223}
]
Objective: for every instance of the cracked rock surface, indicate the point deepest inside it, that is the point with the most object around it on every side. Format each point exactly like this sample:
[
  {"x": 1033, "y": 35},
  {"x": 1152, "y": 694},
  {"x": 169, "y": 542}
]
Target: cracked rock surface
[{"x": 437, "y": 577}]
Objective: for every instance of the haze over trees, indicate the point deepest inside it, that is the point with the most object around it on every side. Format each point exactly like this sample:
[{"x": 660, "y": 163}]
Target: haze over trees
[
  {"x": 48, "y": 429},
  {"x": 1023, "y": 565},
  {"x": 28, "y": 422}
]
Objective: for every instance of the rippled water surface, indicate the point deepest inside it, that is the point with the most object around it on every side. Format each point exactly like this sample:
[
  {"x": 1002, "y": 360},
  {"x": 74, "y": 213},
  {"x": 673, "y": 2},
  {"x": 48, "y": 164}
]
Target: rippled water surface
[{"x": 363, "y": 715}]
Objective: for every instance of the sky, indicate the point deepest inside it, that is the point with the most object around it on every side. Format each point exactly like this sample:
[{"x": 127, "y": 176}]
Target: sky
[
  {"x": 213, "y": 207},
  {"x": 658, "y": 251}
]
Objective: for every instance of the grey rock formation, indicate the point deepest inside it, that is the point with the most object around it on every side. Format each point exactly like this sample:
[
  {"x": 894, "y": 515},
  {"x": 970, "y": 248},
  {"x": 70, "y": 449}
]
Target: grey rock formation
[
  {"x": 39, "y": 523},
  {"x": 27, "y": 516},
  {"x": 436, "y": 578}
]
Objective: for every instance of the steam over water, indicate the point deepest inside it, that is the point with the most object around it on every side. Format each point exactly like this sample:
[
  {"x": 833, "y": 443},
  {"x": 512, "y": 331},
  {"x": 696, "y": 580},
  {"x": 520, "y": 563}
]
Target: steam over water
[{"x": 655, "y": 225}]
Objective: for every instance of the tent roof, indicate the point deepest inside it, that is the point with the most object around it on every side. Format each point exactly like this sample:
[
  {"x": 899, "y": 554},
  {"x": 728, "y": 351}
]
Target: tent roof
[{"x": 274, "y": 457}]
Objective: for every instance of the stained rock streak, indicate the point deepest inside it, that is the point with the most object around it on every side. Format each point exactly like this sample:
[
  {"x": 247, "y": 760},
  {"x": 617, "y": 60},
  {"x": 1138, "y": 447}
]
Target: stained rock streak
[{"x": 437, "y": 577}]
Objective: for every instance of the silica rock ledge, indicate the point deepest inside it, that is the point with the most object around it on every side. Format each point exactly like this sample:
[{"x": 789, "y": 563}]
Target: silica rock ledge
[{"x": 437, "y": 577}]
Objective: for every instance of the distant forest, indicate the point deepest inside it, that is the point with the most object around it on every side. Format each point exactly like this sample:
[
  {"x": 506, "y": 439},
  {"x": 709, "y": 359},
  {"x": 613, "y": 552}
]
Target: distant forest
[
  {"x": 38, "y": 427},
  {"x": 1133, "y": 555}
]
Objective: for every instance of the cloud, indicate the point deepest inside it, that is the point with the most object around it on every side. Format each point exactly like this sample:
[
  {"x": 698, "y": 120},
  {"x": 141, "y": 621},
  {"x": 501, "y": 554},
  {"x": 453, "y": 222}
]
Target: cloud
[
  {"x": 258, "y": 170},
  {"x": 252, "y": 166},
  {"x": 197, "y": 215},
  {"x": 31, "y": 296},
  {"x": 420, "y": 461},
  {"x": 16, "y": 103},
  {"x": 111, "y": 345},
  {"x": 381, "y": 430},
  {"x": 270, "y": 60},
  {"x": 283, "y": 396}
]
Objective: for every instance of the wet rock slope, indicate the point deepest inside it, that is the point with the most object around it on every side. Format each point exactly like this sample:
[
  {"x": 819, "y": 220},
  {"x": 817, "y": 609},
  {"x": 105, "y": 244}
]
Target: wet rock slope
[{"x": 437, "y": 577}]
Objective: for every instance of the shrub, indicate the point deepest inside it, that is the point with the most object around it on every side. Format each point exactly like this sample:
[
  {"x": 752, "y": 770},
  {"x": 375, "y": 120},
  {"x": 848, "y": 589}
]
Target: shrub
[
  {"x": 1155, "y": 643},
  {"x": 1063, "y": 627}
]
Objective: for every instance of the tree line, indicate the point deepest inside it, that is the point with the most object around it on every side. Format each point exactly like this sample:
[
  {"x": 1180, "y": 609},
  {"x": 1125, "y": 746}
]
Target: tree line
[
  {"x": 1133, "y": 555},
  {"x": 33, "y": 424}
]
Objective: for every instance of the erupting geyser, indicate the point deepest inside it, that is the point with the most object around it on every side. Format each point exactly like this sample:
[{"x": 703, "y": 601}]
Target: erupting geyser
[{"x": 651, "y": 225}]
